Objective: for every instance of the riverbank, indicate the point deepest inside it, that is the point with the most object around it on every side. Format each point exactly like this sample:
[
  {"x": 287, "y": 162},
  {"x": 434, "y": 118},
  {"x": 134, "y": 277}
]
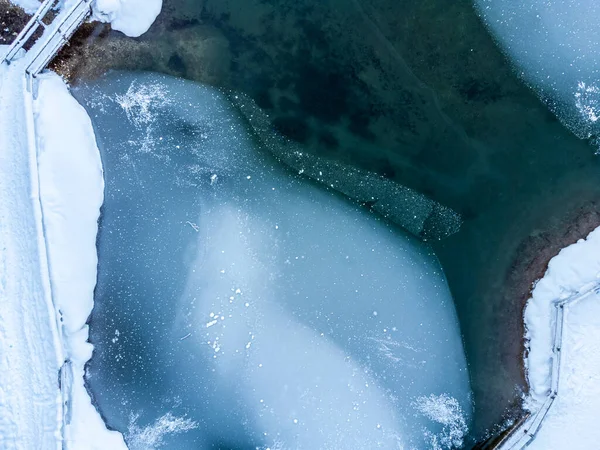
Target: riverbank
[{"x": 444, "y": 114}]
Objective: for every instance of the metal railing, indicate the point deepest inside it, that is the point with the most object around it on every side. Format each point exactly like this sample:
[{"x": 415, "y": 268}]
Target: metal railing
[
  {"x": 56, "y": 36},
  {"x": 31, "y": 27}
]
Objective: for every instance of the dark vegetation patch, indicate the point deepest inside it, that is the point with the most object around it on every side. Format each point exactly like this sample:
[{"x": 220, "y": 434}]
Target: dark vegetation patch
[
  {"x": 328, "y": 140},
  {"x": 293, "y": 127},
  {"x": 177, "y": 64}
]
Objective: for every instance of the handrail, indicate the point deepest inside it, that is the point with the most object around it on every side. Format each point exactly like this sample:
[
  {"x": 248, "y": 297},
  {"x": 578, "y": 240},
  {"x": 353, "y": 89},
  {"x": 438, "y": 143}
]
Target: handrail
[
  {"x": 53, "y": 41},
  {"x": 28, "y": 30},
  {"x": 38, "y": 57},
  {"x": 73, "y": 19}
]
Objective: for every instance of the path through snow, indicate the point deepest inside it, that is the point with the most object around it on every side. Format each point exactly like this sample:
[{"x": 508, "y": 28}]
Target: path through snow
[
  {"x": 29, "y": 351},
  {"x": 51, "y": 189}
]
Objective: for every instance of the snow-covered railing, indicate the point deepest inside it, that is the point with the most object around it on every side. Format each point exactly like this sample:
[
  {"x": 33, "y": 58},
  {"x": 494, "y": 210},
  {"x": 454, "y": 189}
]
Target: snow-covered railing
[
  {"x": 57, "y": 35},
  {"x": 522, "y": 435},
  {"x": 34, "y": 23}
]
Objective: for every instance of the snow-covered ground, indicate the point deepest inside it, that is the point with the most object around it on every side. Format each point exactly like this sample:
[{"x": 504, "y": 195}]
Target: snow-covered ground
[
  {"x": 131, "y": 17},
  {"x": 51, "y": 190},
  {"x": 30, "y": 351},
  {"x": 71, "y": 191},
  {"x": 50, "y": 196},
  {"x": 573, "y": 417},
  {"x": 570, "y": 422}
]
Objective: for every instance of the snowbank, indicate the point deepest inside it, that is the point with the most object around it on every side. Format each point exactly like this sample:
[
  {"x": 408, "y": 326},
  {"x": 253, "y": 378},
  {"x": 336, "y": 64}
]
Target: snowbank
[
  {"x": 573, "y": 269},
  {"x": 132, "y": 17},
  {"x": 71, "y": 190},
  {"x": 50, "y": 194}
]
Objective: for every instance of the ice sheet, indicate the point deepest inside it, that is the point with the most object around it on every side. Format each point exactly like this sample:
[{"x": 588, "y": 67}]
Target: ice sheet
[{"x": 238, "y": 295}]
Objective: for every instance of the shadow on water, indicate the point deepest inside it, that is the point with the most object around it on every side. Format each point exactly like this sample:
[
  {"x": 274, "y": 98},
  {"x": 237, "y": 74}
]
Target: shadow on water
[{"x": 418, "y": 92}]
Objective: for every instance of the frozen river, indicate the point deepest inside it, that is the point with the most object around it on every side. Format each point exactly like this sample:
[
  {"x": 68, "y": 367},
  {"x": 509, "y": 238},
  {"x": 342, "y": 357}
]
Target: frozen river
[{"x": 238, "y": 305}]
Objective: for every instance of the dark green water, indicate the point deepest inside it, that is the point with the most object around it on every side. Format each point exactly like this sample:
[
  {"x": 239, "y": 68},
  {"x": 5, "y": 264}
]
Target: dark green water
[{"x": 418, "y": 92}]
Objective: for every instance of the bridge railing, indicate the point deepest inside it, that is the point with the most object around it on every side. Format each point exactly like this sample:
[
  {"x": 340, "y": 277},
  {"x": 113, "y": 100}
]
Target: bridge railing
[
  {"x": 56, "y": 36},
  {"x": 31, "y": 27}
]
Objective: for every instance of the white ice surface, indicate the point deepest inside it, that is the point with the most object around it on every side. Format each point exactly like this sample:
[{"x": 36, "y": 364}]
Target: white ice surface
[
  {"x": 304, "y": 322},
  {"x": 132, "y": 17},
  {"x": 569, "y": 423},
  {"x": 334, "y": 330},
  {"x": 556, "y": 47},
  {"x": 71, "y": 186}
]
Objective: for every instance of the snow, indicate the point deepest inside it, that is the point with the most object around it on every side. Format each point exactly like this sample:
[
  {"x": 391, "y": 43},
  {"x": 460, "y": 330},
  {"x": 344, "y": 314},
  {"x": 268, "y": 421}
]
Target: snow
[
  {"x": 572, "y": 421},
  {"x": 71, "y": 188},
  {"x": 50, "y": 193},
  {"x": 446, "y": 411},
  {"x": 152, "y": 436},
  {"x": 132, "y": 17},
  {"x": 571, "y": 271},
  {"x": 279, "y": 313},
  {"x": 572, "y": 416},
  {"x": 29, "y": 6},
  {"x": 30, "y": 351},
  {"x": 51, "y": 190}
]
